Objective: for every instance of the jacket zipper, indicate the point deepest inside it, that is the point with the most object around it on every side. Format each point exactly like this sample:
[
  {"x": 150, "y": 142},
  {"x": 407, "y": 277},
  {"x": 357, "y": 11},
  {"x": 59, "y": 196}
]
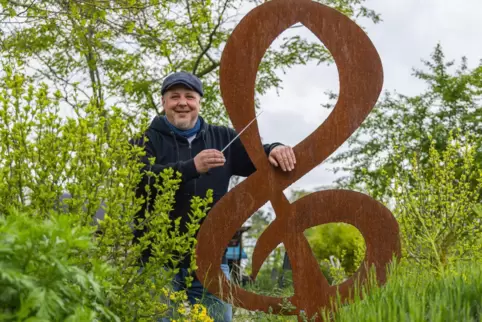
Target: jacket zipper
[{"x": 195, "y": 180}]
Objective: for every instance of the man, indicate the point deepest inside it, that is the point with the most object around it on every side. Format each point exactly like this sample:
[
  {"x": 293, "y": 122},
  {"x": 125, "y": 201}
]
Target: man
[{"x": 182, "y": 140}]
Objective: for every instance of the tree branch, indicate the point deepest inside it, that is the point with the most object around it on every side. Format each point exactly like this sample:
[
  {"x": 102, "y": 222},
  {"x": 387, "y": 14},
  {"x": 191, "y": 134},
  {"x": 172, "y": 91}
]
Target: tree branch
[
  {"x": 53, "y": 73},
  {"x": 207, "y": 70},
  {"x": 204, "y": 51}
]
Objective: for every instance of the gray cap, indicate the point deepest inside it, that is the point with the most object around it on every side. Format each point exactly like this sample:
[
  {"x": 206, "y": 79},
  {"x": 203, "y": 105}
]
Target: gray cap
[{"x": 182, "y": 78}]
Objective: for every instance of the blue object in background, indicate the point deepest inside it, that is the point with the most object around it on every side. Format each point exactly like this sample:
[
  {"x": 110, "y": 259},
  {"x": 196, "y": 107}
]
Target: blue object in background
[{"x": 236, "y": 253}]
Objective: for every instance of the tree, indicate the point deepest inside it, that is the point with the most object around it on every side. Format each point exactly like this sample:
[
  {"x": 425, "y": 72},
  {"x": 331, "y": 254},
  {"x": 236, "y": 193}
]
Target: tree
[
  {"x": 436, "y": 203},
  {"x": 119, "y": 51},
  {"x": 450, "y": 102}
]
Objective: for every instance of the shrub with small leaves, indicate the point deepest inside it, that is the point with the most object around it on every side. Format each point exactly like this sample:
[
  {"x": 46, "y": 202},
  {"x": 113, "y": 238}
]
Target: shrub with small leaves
[
  {"x": 90, "y": 157},
  {"x": 435, "y": 205}
]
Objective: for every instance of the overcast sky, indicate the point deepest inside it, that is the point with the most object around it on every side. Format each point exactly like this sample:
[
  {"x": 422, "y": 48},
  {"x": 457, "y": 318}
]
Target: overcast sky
[{"x": 408, "y": 33}]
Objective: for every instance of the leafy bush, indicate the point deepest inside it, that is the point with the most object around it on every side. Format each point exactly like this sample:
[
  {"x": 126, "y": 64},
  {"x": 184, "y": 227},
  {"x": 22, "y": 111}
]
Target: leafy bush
[
  {"x": 435, "y": 205},
  {"x": 337, "y": 242},
  {"x": 44, "y": 155},
  {"x": 42, "y": 271}
]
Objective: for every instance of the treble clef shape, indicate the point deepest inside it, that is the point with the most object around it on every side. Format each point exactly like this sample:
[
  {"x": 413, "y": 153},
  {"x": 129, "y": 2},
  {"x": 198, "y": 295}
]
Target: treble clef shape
[{"x": 361, "y": 78}]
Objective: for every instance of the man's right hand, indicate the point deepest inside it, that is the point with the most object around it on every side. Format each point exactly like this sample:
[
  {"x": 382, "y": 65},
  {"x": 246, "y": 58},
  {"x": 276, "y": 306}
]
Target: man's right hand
[{"x": 208, "y": 159}]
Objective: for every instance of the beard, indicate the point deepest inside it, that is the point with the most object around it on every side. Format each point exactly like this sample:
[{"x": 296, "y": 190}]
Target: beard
[{"x": 184, "y": 124}]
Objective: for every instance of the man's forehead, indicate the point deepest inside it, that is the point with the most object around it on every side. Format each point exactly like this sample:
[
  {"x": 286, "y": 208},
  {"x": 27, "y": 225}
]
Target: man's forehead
[{"x": 180, "y": 89}]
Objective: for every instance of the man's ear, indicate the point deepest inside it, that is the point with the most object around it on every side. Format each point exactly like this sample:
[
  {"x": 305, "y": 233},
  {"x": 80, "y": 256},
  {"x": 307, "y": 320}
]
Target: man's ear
[{"x": 163, "y": 101}]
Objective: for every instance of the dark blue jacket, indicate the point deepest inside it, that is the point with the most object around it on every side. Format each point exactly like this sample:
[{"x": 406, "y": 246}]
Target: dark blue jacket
[{"x": 174, "y": 151}]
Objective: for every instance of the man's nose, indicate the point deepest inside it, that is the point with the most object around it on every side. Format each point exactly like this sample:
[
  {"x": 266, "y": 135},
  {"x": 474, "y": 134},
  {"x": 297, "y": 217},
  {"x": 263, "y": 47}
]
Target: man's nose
[{"x": 182, "y": 101}]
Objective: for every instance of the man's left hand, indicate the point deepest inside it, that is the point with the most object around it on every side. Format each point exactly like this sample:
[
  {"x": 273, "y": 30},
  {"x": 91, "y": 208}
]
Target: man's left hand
[{"x": 283, "y": 156}]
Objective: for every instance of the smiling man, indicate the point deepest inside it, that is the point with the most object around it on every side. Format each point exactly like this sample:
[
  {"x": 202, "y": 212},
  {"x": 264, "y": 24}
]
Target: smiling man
[{"x": 182, "y": 140}]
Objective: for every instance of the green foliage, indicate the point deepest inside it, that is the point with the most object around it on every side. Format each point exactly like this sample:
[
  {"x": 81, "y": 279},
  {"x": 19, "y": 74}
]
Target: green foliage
[
  {"x": 435, "y": 203},
  {"x": 272, "y": 279},
  {"x": 342, "y": 241},
  {"x": 42, "y": 274},
  {"x": 415, "y": 294},
  {"x": 118, "y": 52},
  {"x": 339, "y": 247},
  {"x": 450, "y": 102},
  {"x": 286, "y": 306},
  {"x": 43, "y": 155},
  {"x": 412, "y": 293}
]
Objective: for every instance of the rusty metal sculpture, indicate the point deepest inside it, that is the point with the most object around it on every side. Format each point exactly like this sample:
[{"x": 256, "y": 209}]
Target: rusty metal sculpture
[{"x": 361, "y": 78}]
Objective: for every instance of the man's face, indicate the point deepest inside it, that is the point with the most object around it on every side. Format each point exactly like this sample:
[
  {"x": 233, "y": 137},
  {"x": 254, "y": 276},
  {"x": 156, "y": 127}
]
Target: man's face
[{"x": 181, "y": 106}]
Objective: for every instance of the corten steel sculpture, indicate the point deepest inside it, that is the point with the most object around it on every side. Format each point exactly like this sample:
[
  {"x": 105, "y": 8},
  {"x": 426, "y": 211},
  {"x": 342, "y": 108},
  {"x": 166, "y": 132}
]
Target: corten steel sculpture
[{"x": 361, "y": 78}]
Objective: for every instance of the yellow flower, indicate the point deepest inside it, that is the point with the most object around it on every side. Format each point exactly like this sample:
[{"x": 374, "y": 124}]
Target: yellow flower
[
  {"x": 164, "y": 291},
  {"x": 199, "y": 314}
]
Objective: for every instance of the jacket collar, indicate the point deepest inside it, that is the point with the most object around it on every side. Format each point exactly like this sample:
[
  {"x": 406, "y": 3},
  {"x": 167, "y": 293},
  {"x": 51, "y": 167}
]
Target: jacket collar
[{"x": 160, "y": 125}]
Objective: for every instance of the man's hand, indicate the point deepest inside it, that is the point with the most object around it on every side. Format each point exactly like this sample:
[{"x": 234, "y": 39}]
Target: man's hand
[
  {"x": 283, "y": 156},
  {"x": 208, "y": 159}
]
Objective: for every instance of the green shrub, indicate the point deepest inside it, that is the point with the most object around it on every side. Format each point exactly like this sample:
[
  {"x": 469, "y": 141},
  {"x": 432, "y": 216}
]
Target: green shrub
[
  {"x": 435, "y": 204},
  {"x": 42, "y": 273},
  {"x": 44, "y": 155},
  {"x": 340, "y": 242},
  {"x": 339, "y": 247}
]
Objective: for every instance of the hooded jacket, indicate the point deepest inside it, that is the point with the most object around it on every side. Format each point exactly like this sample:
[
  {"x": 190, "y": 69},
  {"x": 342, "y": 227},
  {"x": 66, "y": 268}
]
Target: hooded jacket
[{"x": 171, "y": 150}]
